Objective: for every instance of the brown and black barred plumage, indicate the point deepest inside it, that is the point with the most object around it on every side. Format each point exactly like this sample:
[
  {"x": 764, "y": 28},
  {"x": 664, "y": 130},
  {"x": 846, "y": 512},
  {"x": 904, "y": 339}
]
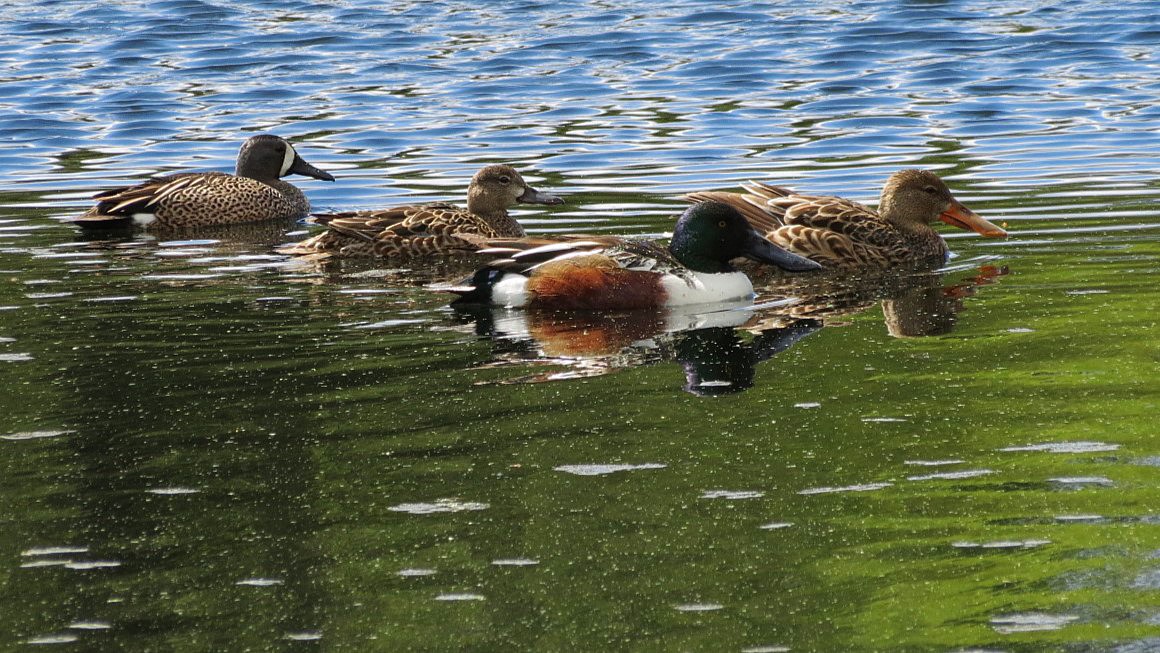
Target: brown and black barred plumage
[{"x": 429, "y": 229}]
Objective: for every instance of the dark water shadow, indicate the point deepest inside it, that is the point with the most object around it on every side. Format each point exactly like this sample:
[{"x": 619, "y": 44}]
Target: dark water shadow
[{"x": 915, "y": 302}]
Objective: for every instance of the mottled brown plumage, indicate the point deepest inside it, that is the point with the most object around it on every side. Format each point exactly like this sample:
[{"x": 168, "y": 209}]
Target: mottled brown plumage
[
  {"x": 429, "y": 229},
  {"x": 840, "y": 233},
  {"x": 255, "y": 193}
]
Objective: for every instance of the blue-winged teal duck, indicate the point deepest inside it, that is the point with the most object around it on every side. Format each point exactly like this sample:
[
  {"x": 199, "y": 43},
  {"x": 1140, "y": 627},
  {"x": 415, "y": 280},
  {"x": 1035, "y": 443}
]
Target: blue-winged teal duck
[
  {"x": 840, "y": 233},
  {"x": 254, "y": 192},
  {"x": 605, "y": 272},
  {"x": 429, "y": 229}
]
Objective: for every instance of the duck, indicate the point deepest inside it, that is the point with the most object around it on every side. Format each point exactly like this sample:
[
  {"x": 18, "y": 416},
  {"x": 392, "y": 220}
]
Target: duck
[
  {"x": 612, "y": 273},
  {"x": 424, "y": 230},
  {"x": 254, "y": 193},
  {"x": 843, "y": 234}
]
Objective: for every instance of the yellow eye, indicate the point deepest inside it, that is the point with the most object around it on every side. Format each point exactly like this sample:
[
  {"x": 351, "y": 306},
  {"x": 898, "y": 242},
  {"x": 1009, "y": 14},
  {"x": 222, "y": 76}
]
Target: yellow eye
[{"x": 721, "y": 224}]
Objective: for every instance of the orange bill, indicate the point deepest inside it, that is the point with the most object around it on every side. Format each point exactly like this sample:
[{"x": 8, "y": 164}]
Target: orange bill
[{"x": 960, "y": 216}]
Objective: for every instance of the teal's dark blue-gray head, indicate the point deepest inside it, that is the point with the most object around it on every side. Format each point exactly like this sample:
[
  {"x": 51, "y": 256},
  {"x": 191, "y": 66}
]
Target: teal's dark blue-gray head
[
  {"x": 710, "y": 234},
  {"x": 266, "y": 157}
]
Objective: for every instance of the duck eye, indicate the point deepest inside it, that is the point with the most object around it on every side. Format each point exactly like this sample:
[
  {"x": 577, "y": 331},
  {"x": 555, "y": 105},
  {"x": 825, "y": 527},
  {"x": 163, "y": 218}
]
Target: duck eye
[
  {"x": 721, "y": 224},
  {"x": 931, "y": 189},
  {"x": 505, "y": 179}
]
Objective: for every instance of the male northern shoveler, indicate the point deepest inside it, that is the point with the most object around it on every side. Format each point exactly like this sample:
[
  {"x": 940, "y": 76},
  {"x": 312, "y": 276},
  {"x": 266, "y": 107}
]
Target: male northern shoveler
[
  {"x": 429, "y": 229},
  {"x": 254, "y": 193},
  {"x": 604, "y": 272},
  {"x": 840, "y": 233}
]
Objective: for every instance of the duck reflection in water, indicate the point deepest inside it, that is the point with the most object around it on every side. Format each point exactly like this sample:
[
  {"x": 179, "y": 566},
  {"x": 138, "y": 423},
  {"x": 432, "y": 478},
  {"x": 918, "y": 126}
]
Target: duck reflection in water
[
  {"x": 914, "y": 304},
  {"x": 719, "y": 346},
  {"x": 709, "y": 342}
]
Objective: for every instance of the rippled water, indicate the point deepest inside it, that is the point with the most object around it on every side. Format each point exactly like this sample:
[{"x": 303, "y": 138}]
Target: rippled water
[{"x": 206, "y": 445}]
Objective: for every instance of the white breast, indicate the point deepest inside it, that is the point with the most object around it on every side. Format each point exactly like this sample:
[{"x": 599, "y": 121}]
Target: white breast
[
  {"x": 704, "y": 288},
  {"x": 511, "y": 291}
]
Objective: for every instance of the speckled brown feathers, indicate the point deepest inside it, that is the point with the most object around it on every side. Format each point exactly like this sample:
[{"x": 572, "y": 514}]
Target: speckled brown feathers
[
  {"x": 254, "y": 194},
  {"x": 420, "y": 230},
  {"x": 840, "y": 233},
  {"x": 211, "y": 198},
  {"x": 429, "y": 229}
]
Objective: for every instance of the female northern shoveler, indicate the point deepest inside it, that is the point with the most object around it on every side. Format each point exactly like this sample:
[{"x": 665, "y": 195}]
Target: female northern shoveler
[
  {"x": 603, "y": 272},
  {"x": 840, "y": 233},
  {"x": 429, "y": 229},
  {"x": 254, "y": 192}
]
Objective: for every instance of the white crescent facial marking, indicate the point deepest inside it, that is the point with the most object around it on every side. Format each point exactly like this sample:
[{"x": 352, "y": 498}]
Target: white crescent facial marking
[{"x": 287, "y": 160}]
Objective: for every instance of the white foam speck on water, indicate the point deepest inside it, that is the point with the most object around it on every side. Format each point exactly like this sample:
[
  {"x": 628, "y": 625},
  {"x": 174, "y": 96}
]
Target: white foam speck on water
[
  {"x": 116, "y": 298},
  {"x": 33, "y": 435},
  {"x": 180, "y": 277},
  {"x": 166, "y": 491},
  {"x": 732, "y": 495},
  {"x": 774, "y": 526},
  {"x": 15, "y": 358},
  {"x": 1092, "y": 291},
  {"x": 183, "y": 253},
  {"x": 259, "y": 582},
  {"x": 439, "y": 506},
  {"x": 885, "y": 420},
  {"x": 415, "y": 573},
  {"x": 304, "y": 636},
  {"x": 1001, "y": 544},
  {"x": 92, "y": 564},
  {"x": 52, "y": 639},
  {"x": 698, "y": 607},
  {"x": 951, "y": 476},
  {"x": 47, "y": 295},
  {"x": 1081, "y": 446},
  {"x": 1081, "y": 480},
  {"x": 53, "y": 551},
  {"x": 808, "y": 404},
  {"x": 515, "y": 562},
  {"x": 51, "y": 562},
  {"x": 389, "y": 323},
  {"x": 766, "y": 649},
  {"x": 864, "y": 487},
  {"x": 1029, "y": 622},
  {"x": 463, "y": 596},
  {"x": 90, "y": 625},
  {"x": 599, "y": 469},
  {"x": 1020, "y": 330},
  {"x": 934, "y": 463},
  {"x": 1079, "y": 518},
  {"x": 189, "y": 243}
]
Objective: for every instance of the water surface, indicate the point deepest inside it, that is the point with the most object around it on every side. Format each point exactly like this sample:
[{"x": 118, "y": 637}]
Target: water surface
[{"x": 208, "y": 446}]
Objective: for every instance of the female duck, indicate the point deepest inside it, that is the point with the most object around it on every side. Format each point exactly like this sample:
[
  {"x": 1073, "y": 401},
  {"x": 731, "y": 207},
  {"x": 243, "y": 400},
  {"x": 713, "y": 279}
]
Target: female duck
[
  {"x": 429, "y": 229},
  {"x": 583, "y": 272},
  {"x": 254, "y": 193},
  {"x": 840, "y": 233}
]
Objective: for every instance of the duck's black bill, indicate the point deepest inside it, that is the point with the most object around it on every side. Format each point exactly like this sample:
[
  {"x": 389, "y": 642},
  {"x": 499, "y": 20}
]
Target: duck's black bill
[
  {"x": 533, "y": 196},
  {"x": 301, "y": 167},
  {"x": 761, "y": 250}
]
